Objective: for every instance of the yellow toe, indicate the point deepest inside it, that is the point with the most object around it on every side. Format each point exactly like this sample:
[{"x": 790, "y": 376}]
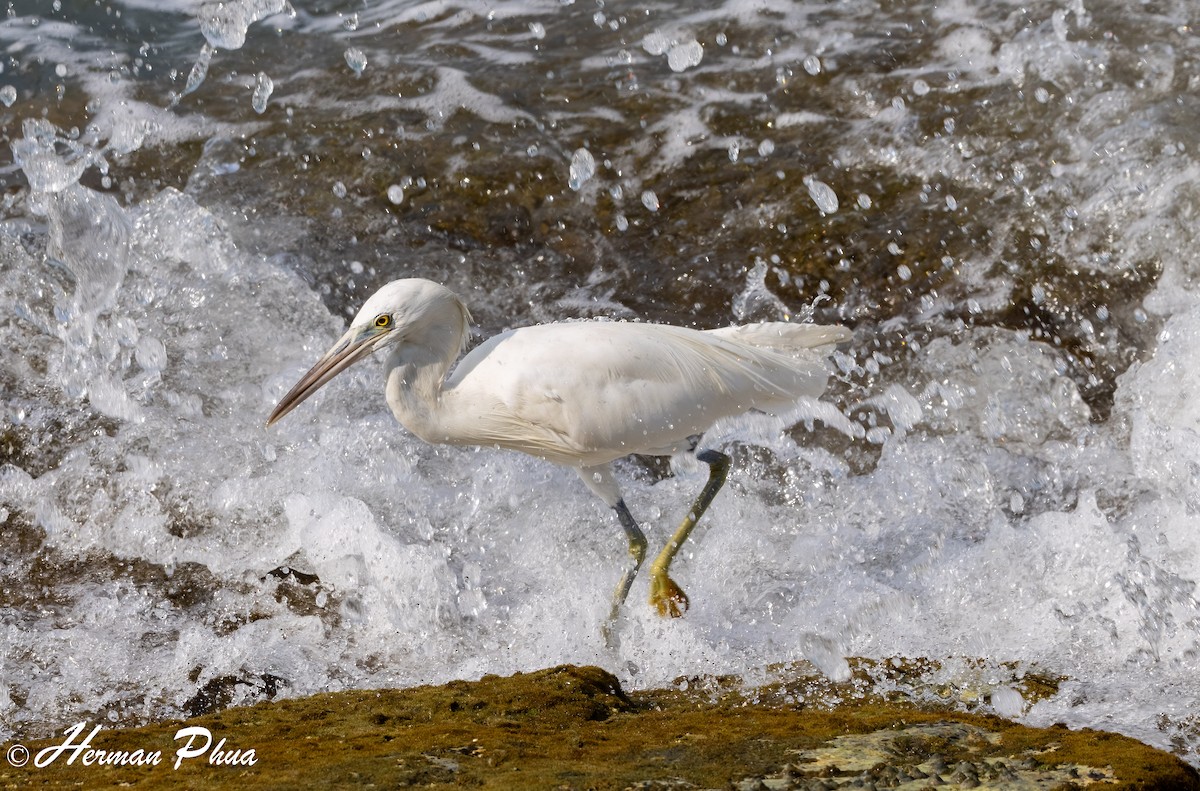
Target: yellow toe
[{"x": 667, "y": 597}]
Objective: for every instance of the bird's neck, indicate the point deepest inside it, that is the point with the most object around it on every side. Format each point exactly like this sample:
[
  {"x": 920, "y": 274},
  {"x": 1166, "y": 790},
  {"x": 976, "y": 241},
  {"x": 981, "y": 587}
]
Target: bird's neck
[{"x": 414, "y": 386}]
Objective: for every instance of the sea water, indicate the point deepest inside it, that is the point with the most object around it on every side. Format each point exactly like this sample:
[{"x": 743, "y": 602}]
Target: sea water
[{"x": 999, "y": 200}]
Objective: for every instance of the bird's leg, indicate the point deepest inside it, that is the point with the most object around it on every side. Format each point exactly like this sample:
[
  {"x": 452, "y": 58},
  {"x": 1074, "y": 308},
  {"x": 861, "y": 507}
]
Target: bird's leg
[
  {"x": 600, "y": 480},
  {"x": 637, "y": 551},
  {"x": 665, "y": 595}
]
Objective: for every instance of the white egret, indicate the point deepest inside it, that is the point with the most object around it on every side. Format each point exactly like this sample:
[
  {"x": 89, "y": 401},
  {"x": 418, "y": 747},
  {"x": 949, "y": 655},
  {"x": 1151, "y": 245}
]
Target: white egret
[{"x": 581, "y": 394}]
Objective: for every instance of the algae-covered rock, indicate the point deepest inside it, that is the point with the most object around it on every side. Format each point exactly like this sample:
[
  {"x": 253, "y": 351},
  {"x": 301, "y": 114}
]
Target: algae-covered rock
[{"x": 574, "y": 727}]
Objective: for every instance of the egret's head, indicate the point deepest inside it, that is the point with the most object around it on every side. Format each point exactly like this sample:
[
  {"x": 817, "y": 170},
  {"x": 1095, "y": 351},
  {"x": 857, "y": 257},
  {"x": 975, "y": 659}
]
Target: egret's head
[{"x": 411, "y": 311}]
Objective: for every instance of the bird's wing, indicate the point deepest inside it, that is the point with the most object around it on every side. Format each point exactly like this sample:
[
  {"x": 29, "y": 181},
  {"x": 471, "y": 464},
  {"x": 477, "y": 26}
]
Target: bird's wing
[
  {"x": 783, "y": 336},
  {"x": 588, "y": 392}
]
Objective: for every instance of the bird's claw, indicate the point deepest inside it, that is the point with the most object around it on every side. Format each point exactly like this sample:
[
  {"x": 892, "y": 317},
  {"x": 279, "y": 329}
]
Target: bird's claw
[{"x": 667, "y": 597}]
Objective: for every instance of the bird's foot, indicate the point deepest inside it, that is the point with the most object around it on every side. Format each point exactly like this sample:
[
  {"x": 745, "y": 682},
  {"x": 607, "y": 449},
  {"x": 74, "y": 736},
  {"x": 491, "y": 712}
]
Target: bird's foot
[
  {"x": 667, "y": 597},
  {"x": 612, "y": 640}
]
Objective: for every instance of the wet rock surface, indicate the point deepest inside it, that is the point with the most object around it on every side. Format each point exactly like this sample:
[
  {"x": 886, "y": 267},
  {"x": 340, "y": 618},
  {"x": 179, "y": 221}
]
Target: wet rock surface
[{"x": 575, "y": 727}]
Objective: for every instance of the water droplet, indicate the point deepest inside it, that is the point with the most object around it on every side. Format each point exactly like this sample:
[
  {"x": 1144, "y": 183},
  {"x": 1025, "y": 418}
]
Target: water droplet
[
  {"x": 734, "y": 151},
  {"x": 583, "y": 167},
  {"x": 395, "y": 194},
  {"x": 822, "y": 194},
  {"x": 656, "y": 43},
  {"x": 766, "y": 148},
  {"x": 951, "y": 203},
  {"x": 224, "y": 24},
  {"x": 356, "y": 60},
  {"x": 812, "y": 64},
  {"x": 684, "y": 56},
  {"x": 199, "y": 70},
  {"x": 650, "y": 200},
  {"x": 538, "y": 30},
  {"x": 263, "y": 86},
  {"x": 8, "y": 95},
  {"x": 339, "y": 189},
  {"x": 920, "y": 87}
]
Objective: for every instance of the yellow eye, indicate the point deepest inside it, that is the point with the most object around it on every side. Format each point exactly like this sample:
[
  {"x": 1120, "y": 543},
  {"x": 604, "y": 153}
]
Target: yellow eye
[{"x": 383, "y": 321}]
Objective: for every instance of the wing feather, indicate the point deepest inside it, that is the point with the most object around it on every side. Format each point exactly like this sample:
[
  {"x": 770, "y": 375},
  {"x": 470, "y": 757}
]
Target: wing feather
[{"x": 585, "y": 393}]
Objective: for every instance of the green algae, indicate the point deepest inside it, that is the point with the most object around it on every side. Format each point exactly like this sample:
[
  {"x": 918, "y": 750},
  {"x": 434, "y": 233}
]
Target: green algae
[{"x": 574, "y": 727}]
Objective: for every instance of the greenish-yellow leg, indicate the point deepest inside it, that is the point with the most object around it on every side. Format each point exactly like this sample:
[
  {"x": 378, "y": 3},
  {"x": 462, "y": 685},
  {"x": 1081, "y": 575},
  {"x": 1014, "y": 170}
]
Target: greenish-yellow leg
[{"x": 665, "y": 595}]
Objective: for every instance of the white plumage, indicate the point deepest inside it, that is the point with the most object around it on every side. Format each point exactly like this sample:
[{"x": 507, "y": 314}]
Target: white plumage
[{"x": 580, "y": 394}]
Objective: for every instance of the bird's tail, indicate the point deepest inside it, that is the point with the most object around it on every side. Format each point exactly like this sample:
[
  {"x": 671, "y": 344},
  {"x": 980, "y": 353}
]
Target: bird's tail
[{"x": 784, "y": 337}]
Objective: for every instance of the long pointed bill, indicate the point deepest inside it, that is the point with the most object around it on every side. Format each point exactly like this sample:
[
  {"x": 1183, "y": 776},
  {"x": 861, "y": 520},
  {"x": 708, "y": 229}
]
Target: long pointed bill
[{"x": 352, "y": 347}]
